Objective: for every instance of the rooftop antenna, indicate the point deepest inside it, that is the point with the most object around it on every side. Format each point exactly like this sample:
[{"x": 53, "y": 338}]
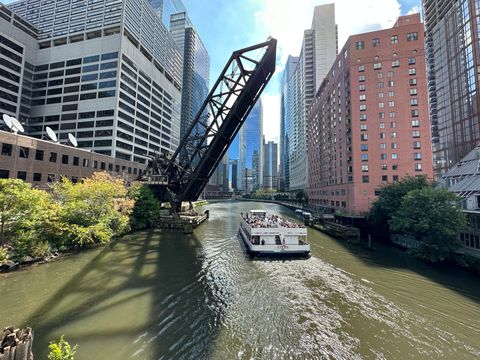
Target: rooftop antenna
[
  {"x": 72, "y": 140},
  {"x": 7, "y": 119},
  {"x": 16, "y": 126},
  {"x": 51, "y": 134}
]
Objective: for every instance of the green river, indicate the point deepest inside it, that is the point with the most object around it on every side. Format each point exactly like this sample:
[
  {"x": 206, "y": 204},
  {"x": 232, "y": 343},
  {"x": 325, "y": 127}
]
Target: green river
[{"x": 166, "y": 295}]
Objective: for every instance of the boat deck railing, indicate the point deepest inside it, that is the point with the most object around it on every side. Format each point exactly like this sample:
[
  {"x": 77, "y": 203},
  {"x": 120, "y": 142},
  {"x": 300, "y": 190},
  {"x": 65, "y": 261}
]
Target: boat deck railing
[{"x": 272, "y": 221}]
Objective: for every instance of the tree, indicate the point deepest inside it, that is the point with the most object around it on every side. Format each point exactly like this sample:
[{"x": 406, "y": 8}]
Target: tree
[
  {"x": 147, "y": 208},
  {"x": 388, "y": 201},
  {"x": 433, "y": 217},
  {"x": 61, "y": 350},
  {"x": 95, "y": 210},
  {"x": 28, "y": 218}
]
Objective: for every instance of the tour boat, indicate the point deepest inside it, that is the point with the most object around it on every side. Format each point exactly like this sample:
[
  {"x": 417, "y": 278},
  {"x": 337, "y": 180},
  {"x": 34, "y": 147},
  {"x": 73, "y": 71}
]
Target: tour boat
[{"x": 271, "y": 235}]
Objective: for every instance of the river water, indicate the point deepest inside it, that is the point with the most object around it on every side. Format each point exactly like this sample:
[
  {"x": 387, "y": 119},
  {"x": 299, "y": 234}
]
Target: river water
[{"x": 165, "y": 295}]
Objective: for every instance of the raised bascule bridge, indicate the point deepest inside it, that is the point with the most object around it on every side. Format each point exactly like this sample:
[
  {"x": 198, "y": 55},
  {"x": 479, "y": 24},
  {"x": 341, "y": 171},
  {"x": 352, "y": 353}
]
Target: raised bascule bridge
[{"x": 183, "y": 176}]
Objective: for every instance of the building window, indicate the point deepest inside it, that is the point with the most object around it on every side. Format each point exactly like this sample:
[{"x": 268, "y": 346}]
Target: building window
[
  {"x": 380, "y": 95},
  {"x": 364, "y": 137},
  {"x": 412, "y": 82},
  {"x": 361, "y": 87},
  {"x": 414, "y": 112},
  {"x": 363, "y": 117},
  {"x": 418, "y": 167},
  {"x": 64, "y": 159},
  {"x": 359, "y": 45},
  {"x": 361, "y": 78},
  {"x": 390, "y": 83},
  {"x": 384, "y": 167},
  {"x": 363, "y": 107},
  {"x": 383, "y": 157},
  {"x": 394, "y": 156},
  {"x": 411, "y": 61},
  {"x": 383, "y": 146},
  {"x": 416, "y": 133},
  {"x": 53, "y": 157},
  {"x": 393, "y": 135},
  {"x": 380, "y": 75},
  {"x": 364, "y": 168},
  {"x": 390, "y": 74},
  {"x": 85, "y": 162},
  {"x": 417, "y": 145},
  {"x": 76, "y": 160},
  {"x": 380, "y": 85},
  {"x": 375, "y": 42},
  {"x": 361, "y": 68},
  {"x": 412, "y": 36},
  {"x": 39, "y": 155},
  {"x": 414, "y": 102},
  {"x": 37, "y": 177},
  {"x": 382, "y": 135},
  {"x": 394, "y": 39},
  {"x": 364, "y": 157},
  {"x": 415, "y": 123},
  {"x": 24, "y": 152},
  {"x": 362, "y": 97},
  {"x": 364, "y": 147},
  {"x": 413, "y": 92},
  {"x": 363, "y": 127},
  {"x": 7, "y": 149},
  {"x": 22, "y": 175},
  {"x": 395, "y": 178},
  {"x": 417, "y": 156},
  {"x": 365, "y": 179},
  {"x": 392, "y": 114},
  {"x": 381, "y": 115},
  {"x": 4, "y": 174},
  {"x": 393, "y": 145},
  {"x": 412, "y": 71},
  {"x": 377, "y": 66},
  {"x": 51, "y": 177},
  {"x": 384, "y": 177},
  {"x": 381, "y": 105},
  {"x": 394, "y": 167},
  {"x": 391, "y": 103},
  {"x": 395, "y": 63}
]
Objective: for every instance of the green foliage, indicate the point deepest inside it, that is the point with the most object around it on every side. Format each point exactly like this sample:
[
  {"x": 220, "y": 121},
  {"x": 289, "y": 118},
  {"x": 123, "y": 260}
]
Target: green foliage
[
  {"x": 3, "y": 255},
  {"x": 61, "y": 350},
  {"x": 433, "y": 217},
  {"x": 388, "y": 201},
  {"x": 28, "y": 218},
  {"x": 95, "y": 210},
  {"x": 147, "y": 208}
]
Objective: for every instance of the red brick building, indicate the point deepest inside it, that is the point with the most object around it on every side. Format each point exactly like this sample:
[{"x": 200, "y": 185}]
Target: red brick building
[{"x": 369, "y": 122}]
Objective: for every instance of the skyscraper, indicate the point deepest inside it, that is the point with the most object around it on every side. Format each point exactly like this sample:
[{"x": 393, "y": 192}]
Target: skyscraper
[
  {"x": 369, "y": 120},
  {"x": 317, "y": 54},
  {"x": 286, "y": 116},
  {"x": 270, "y": 165},
  {"x": 247, "y": 147},
  {"x": 109, "y": 73},
  {"x": 452, "y": 45}
]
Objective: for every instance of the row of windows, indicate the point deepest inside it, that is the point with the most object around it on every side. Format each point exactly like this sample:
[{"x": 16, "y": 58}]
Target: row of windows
[
  {"x": 411, "y": 36},
  {"x": 75, "y": 88},
  {"x": 76, "y": 79},
  {"x": 395, "y": 63},
  {"x": 416, "y": 155},
  {"x": 84, "y": 96},
  {"x": 77, "y": 70},
  {"x": 73, "y": 62}
]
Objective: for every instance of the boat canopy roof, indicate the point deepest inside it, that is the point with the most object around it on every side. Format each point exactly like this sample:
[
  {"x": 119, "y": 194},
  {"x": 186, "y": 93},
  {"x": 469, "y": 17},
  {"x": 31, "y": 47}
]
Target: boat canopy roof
[{"x": 258, "y": 211}]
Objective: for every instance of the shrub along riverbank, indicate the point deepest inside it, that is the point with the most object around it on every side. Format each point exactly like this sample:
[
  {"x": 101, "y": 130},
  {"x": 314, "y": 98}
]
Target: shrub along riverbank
[{"x": 37, "y": 224}]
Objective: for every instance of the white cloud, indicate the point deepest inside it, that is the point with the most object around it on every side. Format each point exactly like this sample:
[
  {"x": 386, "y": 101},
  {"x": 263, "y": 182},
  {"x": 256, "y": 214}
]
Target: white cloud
[
  {"x": 286, "y": 20},
  {"x": 415, "y": 9}
]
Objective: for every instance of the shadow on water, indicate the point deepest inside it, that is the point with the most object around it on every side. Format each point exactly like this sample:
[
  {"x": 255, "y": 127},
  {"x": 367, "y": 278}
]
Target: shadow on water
[{"x": 145, "y": 296}]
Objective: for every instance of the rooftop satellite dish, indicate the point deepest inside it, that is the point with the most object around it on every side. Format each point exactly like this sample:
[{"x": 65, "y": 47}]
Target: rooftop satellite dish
[
  {"x": 7, "y": 119},
  {"x": 72, "y": 140},
  {"x": 51, "y": 134},
  {"x": 16, "y": 126}
]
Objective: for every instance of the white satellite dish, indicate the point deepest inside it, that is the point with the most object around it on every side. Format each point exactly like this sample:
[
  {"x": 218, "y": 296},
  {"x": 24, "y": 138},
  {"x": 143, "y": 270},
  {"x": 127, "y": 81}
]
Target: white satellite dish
[
  {"x": 7, "y": 119},
  {"x": 16, "y": 126},
  {"x": 72, "y": 140},
  {"x": 51, "y": 134}
]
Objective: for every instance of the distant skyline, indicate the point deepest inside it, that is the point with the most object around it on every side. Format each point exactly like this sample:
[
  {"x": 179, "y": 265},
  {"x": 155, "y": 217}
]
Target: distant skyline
[{"x": 226, "y": 25}]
